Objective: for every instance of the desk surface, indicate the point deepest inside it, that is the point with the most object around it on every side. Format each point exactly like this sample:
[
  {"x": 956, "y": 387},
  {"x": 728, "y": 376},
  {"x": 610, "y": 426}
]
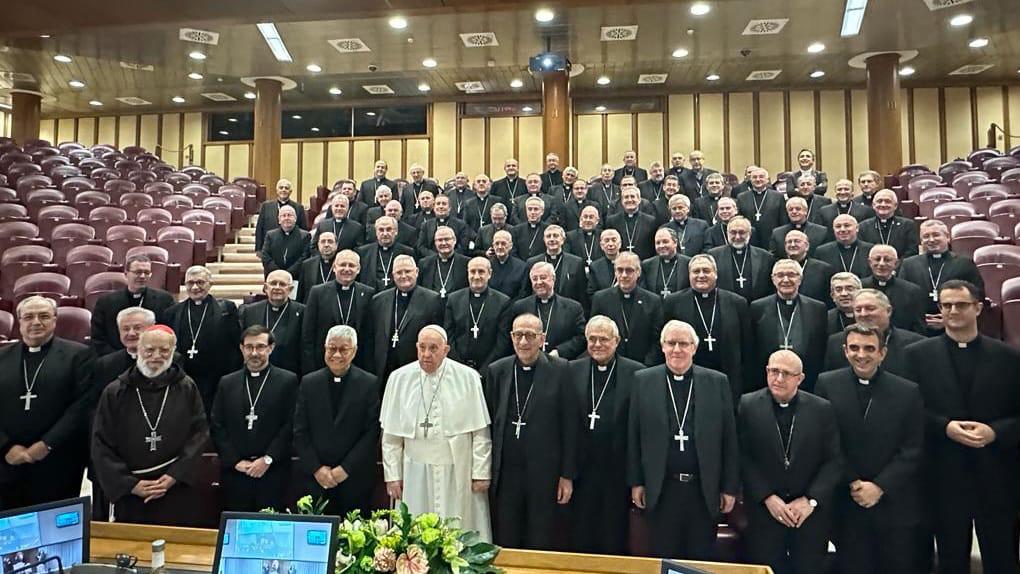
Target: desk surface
[{"x": 194, "y": 549}]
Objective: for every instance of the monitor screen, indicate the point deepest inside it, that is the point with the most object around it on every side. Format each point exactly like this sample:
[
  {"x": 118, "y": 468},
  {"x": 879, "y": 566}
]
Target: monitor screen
[
  {"x": 674, "y": 567},
  {"x": 259, "y": 543},
  {"x": 30, "y": 538}
]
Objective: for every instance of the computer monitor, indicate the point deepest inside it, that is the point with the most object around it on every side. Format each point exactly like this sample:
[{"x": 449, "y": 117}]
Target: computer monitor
[
  {"x": 261, "y": 543},
  {"x": 31, "y": 538},
  {"x": 674, "y": 567}
]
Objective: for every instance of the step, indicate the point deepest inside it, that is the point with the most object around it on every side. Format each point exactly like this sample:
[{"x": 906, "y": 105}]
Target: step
[
  {"x": 239, "y": 278},
  {"x": 227, "y": 268},
  {"x": 239, "y": 247},
  {"x": 245, "y": 240},
  {"x": 246, "y": 231},
  {"x": 244, "y": 257},
  {"x": 236, "y": 292}
]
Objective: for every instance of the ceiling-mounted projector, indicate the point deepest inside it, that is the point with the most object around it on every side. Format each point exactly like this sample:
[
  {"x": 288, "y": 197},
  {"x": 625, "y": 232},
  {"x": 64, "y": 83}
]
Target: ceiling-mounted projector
[{"x": 548, "y": 62}]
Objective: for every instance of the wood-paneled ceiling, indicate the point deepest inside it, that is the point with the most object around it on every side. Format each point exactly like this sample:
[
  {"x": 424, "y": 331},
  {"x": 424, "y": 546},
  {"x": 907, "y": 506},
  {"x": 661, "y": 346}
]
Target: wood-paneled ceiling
[{"x": 146, "y": 32}]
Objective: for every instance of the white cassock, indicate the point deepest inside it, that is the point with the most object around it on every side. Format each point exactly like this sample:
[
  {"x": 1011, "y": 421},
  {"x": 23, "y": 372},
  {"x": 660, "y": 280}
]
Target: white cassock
[{"x": 437, "y": 463}]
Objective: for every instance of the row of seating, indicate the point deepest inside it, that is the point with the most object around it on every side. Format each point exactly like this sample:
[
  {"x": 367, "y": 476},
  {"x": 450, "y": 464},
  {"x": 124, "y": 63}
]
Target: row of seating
[{"x": 74, "y": 323}]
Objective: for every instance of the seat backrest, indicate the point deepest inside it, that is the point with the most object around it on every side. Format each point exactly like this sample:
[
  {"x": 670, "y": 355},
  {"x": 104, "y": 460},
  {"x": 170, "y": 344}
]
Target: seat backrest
[
  {"x": 998, "y": 254},
  {"x": 105, "y": 282},
  {"x": 18, "y": 229},
  {"x": 988, "y": 190},
  {"x": 175, "y": 233},
  {"x": 938, "y": 194},
  {"x": 108, "y": 213},
  {"x": 92, "y": 199},
  {"x": 13, "y": 210},
  {"x": 27, "y": 183},
  {"x": 178, "y": 200},
  {"x": 44, "y": 283},
  {"x": 43, "y": 196},
  {"x": 90, "y": 253},
  {"x": 135, "y": 200},
  {"x": 74, "y": 324},
  {"x": 975, "y": 229},
  {"x": 75, "y": 230},
  {"x": 218, "y": 202},
  {"x": 125, "y": 232},
  {"x": 153, "y": 252},
  {"x": 6, "y": 325},
  {"x": 27, "y": 254},
  {"x": 158, "y": 188},
  {"x": 119, "y": 186},
  {"x": 954, "y": 208},
  {"x": 196, "y": 215},
  {"x": 154, "y": 214},
  {"x": 58, "y": 212}
]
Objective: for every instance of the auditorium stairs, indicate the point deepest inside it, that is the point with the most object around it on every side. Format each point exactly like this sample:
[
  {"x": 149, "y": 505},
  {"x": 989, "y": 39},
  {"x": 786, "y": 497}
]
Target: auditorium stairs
[{"x": 238, "y": 272}]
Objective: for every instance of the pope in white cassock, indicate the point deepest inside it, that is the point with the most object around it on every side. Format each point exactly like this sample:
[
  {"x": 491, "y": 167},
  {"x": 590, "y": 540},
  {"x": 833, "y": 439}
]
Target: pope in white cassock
[{"x": 436, "y": 449}]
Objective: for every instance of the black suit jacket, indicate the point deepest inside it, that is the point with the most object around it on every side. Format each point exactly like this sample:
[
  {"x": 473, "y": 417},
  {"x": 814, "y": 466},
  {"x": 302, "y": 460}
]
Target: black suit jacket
[
  {"x": 493, "y": 342},
  {"x": 830, "y": 212},
  {"x": 349, "y": 233},
  {"x": 853, "y": 259},
  {"x": 366, "y": 191},
  {"x": 581, "y": 244},
  {"x": 715, "y": 236},
  {"x": 322, "y": 311},
  {"x": 565, "y": 331},
  {"x": 528, "y": 239},
  {"x": 475, "y": 212},
  {"x": 350, "y": 438},
  {"x": 605, "y": 194},
  {"x": 815, "y": 281},
  {"x": 459, "y": 196},
  {"x": 639, "y": 174},
  {"x": 409, "y": 195},
  {"x": 693, "y": 183},
  {"x": 895, "y": 362},
  {"x": 651, "y": 190},
  {"x": 639, "y": 332},
  {"x": 657, "y": 275},
  {"x": 272, "y": 432},
  {"x": 571, "y": 280},
  {"x": 509, "y": 191},
  {"x": 815, "y": 205},
  {"x": 551, "y": 179},
  {"x": 821, "y": 181},
  {"x": 907, "y": 300},
  {"x": 882, "y": 445},
  {"x": 105, "y": 334},
  {"x": 508, "y": 277},
  {"x": 572, "y": 212},
  {"x": 432, "y": 278},
  {"x": 285, "y": 250},
  {"x": 916, "y": 268},
  {"x": 218, "y": 343},
  {"x": 715, "y": 435},
  {"x": 902, "y": 235},
  {"x": 642, "y": 231},
  {"x": 369, "y": 256},
  {"x": 817, "y": 235},
  {"x": 269, "y": 219},
  {"x": 483, "y": 241},
  {"x": 773, "y": 214},
  {"x": 601, "y": 276},
  {"x": 287, "y": 354},
  {"x": 424, "y": 308},
  {"x": 704, "y": 208},
  {"x": 580, "y": 378},
  {"x": 427, "y": 235},
  {"x": 553, "y": 208},
  {"x": 759, "y": 270},
  {"x": 310, "y": 274},
  {"x": 691, "y": 236},
  {"x": 407, "y": 234},
  {"x": 552, "y": 417},
  {"x": 807, "y": 335}
]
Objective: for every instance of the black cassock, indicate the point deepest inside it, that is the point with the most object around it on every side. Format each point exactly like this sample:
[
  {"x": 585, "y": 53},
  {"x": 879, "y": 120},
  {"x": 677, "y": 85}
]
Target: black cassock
[
  {"x": 929, "y": 271},
  {"x": 210, "y": 346},
  {"x": 837, "y": 321},
  {"x": 725, "y": 317},
  {"x": 897, "y": 340},
  {"x": 817, "y": 236},
  {"x": 284, "y": 250},
  {"x": 637, "y": 232},
  {"x": 816, "y": 279},
  {"x": 331, "y": 304},
  {"x": 59, "y": 375},
  {"x": 571, "y": 280},
  {"x": 336, "y": 422},
  {"x": 484, "y": 239},
  {"x": 766, "y": 211},
  {"x": 269, "y": 219},
  {"x": 601, "y": 494},
  {"x": 881, "y": 428},
  {"x": 585, "y": 244},
  {"x": 508, "y": 277},
  {"x": 851, "y": 258},
  {"x": 572, "y": 209},
  {"x": 638, "y": 317},
  {"x": 126, "y": 448},
  {"x": 285, "y": 321},
  {"x": 528, "y": 463},
  {"x": 426, "y": 244},
  {"x": 828, "y": 213},
  {"x": 972, "y": 383},
  {"x": 682, "y": 425},
  {"x": 396, "y": 319},
  {"x": 908, "y": 301},
  {"x": 897, "y": 231},
  {"x": 349, "y": 234},
  {"x": 105, "y": 334},
  {"x": 313, "y": 271},
  {"x": 752, "y": 263},
  {"x": 444, "y": 277},
  {"x": 377, "y": 264},
  {"x": 799, "y": 324},
  {"x": 409, "y": 195},
  {"x": 473, "y": 322},
  {"x": 562, "y": 319},
  {"x": 601, "y": 275},
  {"x": 528, "y": 239},
  {"x": 665, "y": 276},
  {"x": 690, "y": 234},
  {"x": 270, "y": 397},
  {"x": 806, "y": 435}
]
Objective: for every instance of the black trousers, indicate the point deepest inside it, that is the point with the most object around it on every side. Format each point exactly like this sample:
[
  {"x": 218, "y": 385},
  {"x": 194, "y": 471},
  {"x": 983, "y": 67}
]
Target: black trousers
[
  {"x": 525, "y": 510},
  {"x": 340, "y": 500},
  {"x": 996, "y": 533},
  {"x": 680, "y": 525},
  {"x": 242, "y": 493},
  {"x": 599, "y": 511},
  {"x": 868, "y": 543},
  {"x": 788, "y": 550},
  {"x": 181, "y": 506},
  {"x": 53, "y": 478}
]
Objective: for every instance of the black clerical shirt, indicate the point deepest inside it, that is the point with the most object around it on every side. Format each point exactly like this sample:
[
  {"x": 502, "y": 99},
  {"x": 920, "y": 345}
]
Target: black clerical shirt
[
  {"x": 601, "y": 437},
  {"x": 336, "y": 393},
  {"x": 708, "y": 324},
  {"x": 513, "y": 449},
  {"x": 741, "y": 262},
  {"x": 786, "y": 416},
  {"x": 681, "y": 461},
  {"x": 964, "y": 357}
]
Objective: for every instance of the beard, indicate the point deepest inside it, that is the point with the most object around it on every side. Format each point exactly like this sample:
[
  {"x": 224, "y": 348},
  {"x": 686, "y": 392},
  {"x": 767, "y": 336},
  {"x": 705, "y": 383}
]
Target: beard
[{"x": 150, "y": 373}]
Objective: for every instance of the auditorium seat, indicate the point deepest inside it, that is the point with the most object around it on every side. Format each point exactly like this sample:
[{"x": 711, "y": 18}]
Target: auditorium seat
[
  {"x": 42, "y": 152},
  {"x": 20, "y": 170},
  {"x": 158, "y": 190},
  {"x": 921, "y": 183},
  {"x": 997, "y": 263},
  {"x": 49, "y": 163},
  {"x": 22, "y": 260},
  {"x": 7, "y": 326},
  {"x": 99, "y": 150},
  {"x": 954, "y": 212},
  {"x": 221, "y": 209},
  {"x": 179, "y": 242},
  {"x": 14, "y": 233},
  {"x": 61, "y": 173},
  {"x": 12, "y": 158},
  {"x": 152, "y": 219},
  {"x": 178, "y": 180},
  {"x": 72, "y": 186},
  {"x": 1011, "y": 311},
  {"x": 968, "y": 236},
  {"x": 983, "y": 196},
  {"x": 30, "y": 182},
  {"x": 929, "y": 198},
  {"x": 39, "y": 198},
  {"x": 100, "y": 284},
  {"x": 13, "y": 212},
  {"x": 46, "y": 283},
  {"x": 77, "y": 155},
  {"x": 979, "y": 156},
  {"x": 196, "y": 191},
  {"x": 133, "y": 150},
  {"x": 234, "y": 194},
  {"x": 164, "y": 273},
  {"x": 121, "y": 238},
  {"x": 213, "y": 181},
  {"x": 965, "y": 181},
  {"x": 177, "y": 204},
  {"x": 67, "y": 147},
  {"x": 126, "y": 166},
  {"x": 141, "y": 177},
  {"x": 67, "y": 236},
  {"x": 86, "y": 201},
  {"x": 133, "y": 202},
  {"x": 194, "y": 171},
  {"x": 75, "y": 324},
  {"x": 7, "y": 195},
  {"x": 997, "y": 165},
  {"x": 89, "y": 165},
  {"x": 84, "y": 261},
  {"x": 51, "y": 216},
  {"x": 203, "y": 224},
  {"x": 949, "y": 170},
  {"x": 105, "y": 217},
  {"x": 118, "y": 187},
  {"x": 104, "y": 174}
]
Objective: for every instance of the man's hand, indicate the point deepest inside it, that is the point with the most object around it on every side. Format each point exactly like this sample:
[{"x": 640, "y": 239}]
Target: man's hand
[
  {"x": 985, "y": 433},
  {"x": 258, "y": 468},
  {"x": 149, "y": 490},
  {"x": 480, "y": 485},
  {"x": 803, "y": 509},
  {"x": 865, "y": 494},
  {"x": 242, "y": 466},
  {"x": 324, "y": 477},
  {"x": 38, "y": 451},
  {"x": 564, "y": 490},
  {"x": 726, "y": 502},
  {"x": 637, "y": 496},
  {"x": 338, "y": 473},
  {"x": 18, "y": 454},
  {"x": 782, "y": 512},
  {"x": 395, "y": 488},
  {"x": 968, "y": 434}
]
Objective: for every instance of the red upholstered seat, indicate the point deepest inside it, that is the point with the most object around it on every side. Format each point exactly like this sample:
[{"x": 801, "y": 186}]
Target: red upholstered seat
[
  {"x": 121, "y": 238},
  {"x": 84, "y": 261},
  {"x": 100, "y": 284},
  {"x": 213, "y": 181},
  {"x": 921, "y": 183},
  {"x": 980, "y": 156},
  {"x": 997, "y": 165},
  {"x": 968, "y": 236},
  {"x": 104, "y": 174},
  {"x": 14, "y": 233},
  {"x": 134, "y": 202},
  {"x": 133, "y": 150},
  {"x": 86, "y": 201},
  {"x": 7, "y": 326},
  {"x": 954, "y": 212},
  {"x": 929, "y": 198},
  {"x": 67, "y": 147},
  {"x": 11, "y": 158},
  {"x": 118, "y": 187},
  {"x": 949, "y": 170},
  {"x": 194, "y": 171},
  {"x": 88, "y": 165},
  {"x": 39, "y": 198},
  {"x": 29, "y": 182},
  {"x": 67, "y": 236},
  {"x": 983, "y": 196},
  {"x": 220, "y": 208},
  {"x": 42, "y": 152},
  {"x": 1011, "y": 311},
  {"x": 196, "y": 191},
  {"x": 997, "y": 263},
  {"x": 51, "y": 216},
  {"x": 72, "y": 186},
  {"x": 20, "y": 170},
  {"x": 126, "y": 166},
  {"x": 203, "y": 224},
  {"x": 13, "y": 212},
  {"x": 22, "y": 260},
  {"x": 8, "y": 195},
  {"x": 152, "y": 219},
  {"x": 234, "y": 194},
  {"x": 965, "y": 181},
  {"x": 48, "y": 284},
  {"x": 177, "y": 204},
  {"x": 74, "y": 323},
  {"x": 99, "y": 150},
  {"x": 179, "y": 242},
  {"x": 105, "y": 217},
  {"x": 48, "y": 163},
  {"x": 61, "y": 173},
  {"x": 140, "y": 177},
  {"x": 160, "y": 258},
  {"x": 77, "y": 155},
  {"x": 178, "y": 180}
]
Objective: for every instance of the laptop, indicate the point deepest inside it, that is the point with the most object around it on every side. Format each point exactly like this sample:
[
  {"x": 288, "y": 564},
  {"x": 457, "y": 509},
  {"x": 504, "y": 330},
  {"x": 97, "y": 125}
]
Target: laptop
[
  {"x": 45, "y": 538},
  {"x": 261, "y": 543}
]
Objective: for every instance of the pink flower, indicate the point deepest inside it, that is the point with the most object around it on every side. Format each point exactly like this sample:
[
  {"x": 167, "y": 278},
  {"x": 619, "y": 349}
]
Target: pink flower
[
  {"x": 385, "y": 559},
  {"x": 414, "y": 561}
]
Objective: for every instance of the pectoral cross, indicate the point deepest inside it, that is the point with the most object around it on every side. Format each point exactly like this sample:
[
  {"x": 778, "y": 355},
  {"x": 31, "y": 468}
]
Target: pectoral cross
[
  {"x": 152, "y": 439},
  {"x": 934, "y": 295},
  {"x": 664, "y": 292},
  {"x": 682, "y": 438},
  {"x": 426, "y": 426},
  {"x": 630, "y": 247},
  {"x": 251, "y": 417},
  {"x": 442, "y": 292},
  {"x": 757, "y": 216},
  {"x": 786, "y": 346},
  {"x": 474, "y": 331},
  {"x": 587, "y": 261},
  {"x": 710, "y": 339},
  {"x": 395, "y": 339},
  {"x": 517, "y": 431},
  {"x": 741, "y": 280},
  {"x": 27, "y": 397},
  {"x": 192, "y": 352},
  {"x": 592, "y": 417},
  {"x": 385, "y": 281}
]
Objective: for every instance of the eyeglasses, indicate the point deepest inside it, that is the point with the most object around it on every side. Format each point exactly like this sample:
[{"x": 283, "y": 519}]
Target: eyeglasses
[
  {"x": 196, "y": 283},
  {"x": 331, "y": 350},
  {"x": 680, "y": 344},
  {"x": 41, "y": 317},
  {"x": 141, "y": 272},
  {"x": 258, "y": 348},
  {"x": 956, "y": 305},
  {"x": 597, "y": 340},
  {"x": 779, "y": 373},
  {"x": 528, "y": 336}
]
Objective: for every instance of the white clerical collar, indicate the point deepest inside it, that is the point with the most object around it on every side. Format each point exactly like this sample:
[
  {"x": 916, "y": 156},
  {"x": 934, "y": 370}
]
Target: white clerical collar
[
  {"x": 602, "y": 367},
  {"x": 404, "y": 294},
  {"x": 678, "y": 377},
  {"x": 137, "y": 295},
  {"x": 789, "y": 301},
  {"x": 545, "y": 301},
  {"x": 197, "y": 303},
  {"x": 884, "y": 283},
  {"x": 631, "y": 215},
  {"x": 337, "y": 379},
  {"x": 739, "y": 250},
  {"x": 864, "y": 381},
  {"x": 705, "y": 294},
  {"x": 255, "y": 373},
  {"x": 960, "y": 344},
  {"x": 473, "y": 294},
  {"x": 274, "y": 308},
  {"x": 626, "y": 295},
  {"x": 936, "y": 255},
  {"x": 34, "y": 349},
  {"x": 345, "y": 287},
  {"x": 132, "y": 355},
  {"x": 783, "y": 405},
  {"x": 526, "y": 367}
]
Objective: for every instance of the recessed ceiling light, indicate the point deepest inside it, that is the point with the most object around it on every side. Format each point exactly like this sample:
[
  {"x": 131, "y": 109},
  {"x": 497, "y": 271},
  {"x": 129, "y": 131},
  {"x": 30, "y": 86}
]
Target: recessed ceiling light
[
  {"x": 250, "y": 95},
  {"x": 44, "y": 36},
  {"x": 95, "y": 103},
  {"x": 224, "y": 133},
  {"x": 295, "y": 117},
  {"x": 516, "y": 83},
  {"x": 335, "y": 91},
  {"x": 315, "y": 129},
  {"x": 712, "y": 77},
  {"x": 62, "y": 59},
  {"x": 906, "y": 71},
  {"x": 197, "y": 56},
  {"x": 76, "y": 84},
  {"x": 370, "y": 114},
  {"x": 961, "y": 20},
  {"x": 680, "y": 53},
  {"x": 429, "y": 63},
  {"x": 603, "y": 81},
  {"x": 600, "y": 108},
  {"x": 398, "y": 22},
  {"x": 313, "y": 68},
  {"x": 978, "y": 43},
  {"x": 544, "y": 15},
  {"x": 232, "y": 120},
  {"x": 275, "y": 41},
  {"x": 817, "y": 74},
  {"x": 527, "y": 109},
  {"x": 816, "y": 48},
  {"x": 423, "y": 87},
  {"x": 700, "y": 8},
  {"x": 177, "y": 100},
  {"x": 195, "y": 76}
]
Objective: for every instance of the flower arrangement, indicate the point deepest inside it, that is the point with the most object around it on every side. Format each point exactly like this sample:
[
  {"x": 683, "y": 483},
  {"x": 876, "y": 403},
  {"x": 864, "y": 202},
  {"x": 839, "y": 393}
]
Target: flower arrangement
[{"x": 395, "y": 541}]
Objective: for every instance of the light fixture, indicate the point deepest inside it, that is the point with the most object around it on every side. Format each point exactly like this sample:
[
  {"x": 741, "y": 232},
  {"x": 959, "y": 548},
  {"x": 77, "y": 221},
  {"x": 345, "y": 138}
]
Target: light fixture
[
  {"x": 313, "y": 68},
  {"x": 603, "y": 81},
  {"x": 600, "y": 108},
  {"x": 680, "y": 53},
  {"x": 232, "y": 120},
  {"x": 295, "y": 117},
  {"x": 700, "y": 8},
  {"x": 961, "y": 20},
  {"x": 516, "y": 83},
  {"x": 817, "y": 74},
  {"x": 76, "y": 84},
  {"x": 712, "y": 77},
  {"x": 816, "y": 48},
  {"x": 398, "y": 22},
  {"x": 853, "y": 17},
  {"x": 978, "y": 43},
  {"x": 62, "y": 59},
  {"x": 906, "y": 71},
  {"x": 544, "y": 15},
  {"x": 44, "y": 36},
  {"x": 315, "y": 129},
  {"x": 224, "y": 133},
  {"x": 527, "y": 109},
  {"x": 429, "y": 63},
  {"x": 95, "y": 103},
  {"x": 195, "y": 76},
  {"x": 423, "y": 87},
  {"x": 370, "y": 114},
  {"x": 275, "y": 42},
  {"x": 6, "y": 106},
  {"x": 250, "y": 95},
  {"x": 177, "y": 100},
  {"x": 335, "y": 91},
  {"x": 197, "y": 56}
]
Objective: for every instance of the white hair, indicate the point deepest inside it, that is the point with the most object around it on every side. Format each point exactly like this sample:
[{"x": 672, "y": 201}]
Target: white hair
[
  {"x": 602, "y": 322},
  {"x": 343, "y": 332},
  {"x": 35, "y": 299},
  {"x": 148, "y": 316},
  {"x": 683, "y": 326},
  {"x": 198, "y": 269}
]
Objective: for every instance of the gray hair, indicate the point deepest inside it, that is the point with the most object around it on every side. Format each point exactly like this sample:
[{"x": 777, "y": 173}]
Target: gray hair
[
  {"x": 788, "y": 263},
  {"x": 683, "y": 326},
  {"x": 544, "y": 265},
  {"x": 600, "y": 322},
  {"x": 35, "y": 299},
  {"x": 846, "y": 276},
  {"x": 197, "y": 270},
  {"x": 807, "y": 176},
  {"x": 882, "y": 298},
  {"x": 290, "y": 209},
  {"x": 497, "y": 207},
  {"x": 148, "y": 316},
  {"x": 342, "y": 332},
  {"x": 706, "y": 258}
]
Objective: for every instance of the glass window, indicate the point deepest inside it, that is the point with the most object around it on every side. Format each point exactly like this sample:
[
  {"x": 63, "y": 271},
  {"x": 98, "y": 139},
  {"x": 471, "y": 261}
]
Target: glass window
[
  {"x": 233, "y": 126},
  {"x": 317, "y": 123},
  {"x": 391, "y": 121}
]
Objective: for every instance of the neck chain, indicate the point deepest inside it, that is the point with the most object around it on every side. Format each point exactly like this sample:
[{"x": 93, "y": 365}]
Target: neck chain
[
  {"x": 252, "y": 417},
  {"x": 785, "y": 445},
  {"x": 667, "y": 278},
  {"x": 326, "y": 277},
  {"x": 194, "y": 334},
  {"x": 512, "y": 190},
  {"x": 594, "y": 415},
  {"x": 531, "y": 245},
  {"x": 153, "y": 437},
  {"x": 474, "y": 320},
  {"x": 426, "y": 425},
  {"x": 630, "y": 234},
  {"x": 345, "y": 318},
  {"x": 884, "y": 239},
  {"x": 758, "y": 206},
  {"x": 397, "y": 325},
  {"x": 740, "y": 268},
  {"x": 935, "y": 281},
  {"x": 548, "y": 318},
  {"x": 28, "y": 396},
  {"x": 385, "y": 265},
  {"x": 439, "y": 274},
  {"x": 521, "y": 410},
  {"x": 681, "y": 437},
  {"x": 481, "y": 208},
  {"x": 853, "y": 258},
  {"x": 588, "y": 251},
  {"x": 786, "y": 330},
  {"x": 710, "y": 325},
  {"x": 283, "y": 310}
]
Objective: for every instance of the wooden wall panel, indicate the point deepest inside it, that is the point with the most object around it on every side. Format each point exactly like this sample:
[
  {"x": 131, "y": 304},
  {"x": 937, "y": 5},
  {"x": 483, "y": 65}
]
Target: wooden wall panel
[
  {"x": 802, "y": 125},
  {"x": 173, "y": 151},
  {"x": 289, "y": 163},
  {"x": 681, "y": 123},
  {"x": 619, "y": 137},
  {"x": 501, "y": 145},
  {"x": 148, "y": 132},
  {"x": 193, "y": 138},
  {"x": 127, "y": 131},
  {"x": 710, "y": 112},
  {"x": 392, "y": 152},
  {"x": 589, "y": 145},
  {"x": 108, "y": 130},
  {"x": 927, "y": 136},
  {"x": 311, "y": 168},
  {"x": 989, "y": 111},
  {"x": 86, "y": 132},
  {"x": 4, "y": 121},
  {"x": 859, "y": 126},
  {"x": 444, "y": 150},
  {"x": 1014, "y": 115},
  {"x": 48, "y": 130},
  {"x": 741, "y": 132},
  {"x": 959, "y": 142},
  {"x": 418, "y": 152},
  {"x": 338, "y": 162},
  {"x": 65, "y": 130},
  {"x": 364, "y": 159},
  {"x": 772, "y": 121},
  {"x": 240, "y": 161},
  {"x": 215, "y": 158},
  {"x": 472, "y": 146},
  {"x": 529, "y": 136},
  {"x": 649, "y": 140},
  {"x": 832, "y": 148},
  {"x": 905, "y": 126}
]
